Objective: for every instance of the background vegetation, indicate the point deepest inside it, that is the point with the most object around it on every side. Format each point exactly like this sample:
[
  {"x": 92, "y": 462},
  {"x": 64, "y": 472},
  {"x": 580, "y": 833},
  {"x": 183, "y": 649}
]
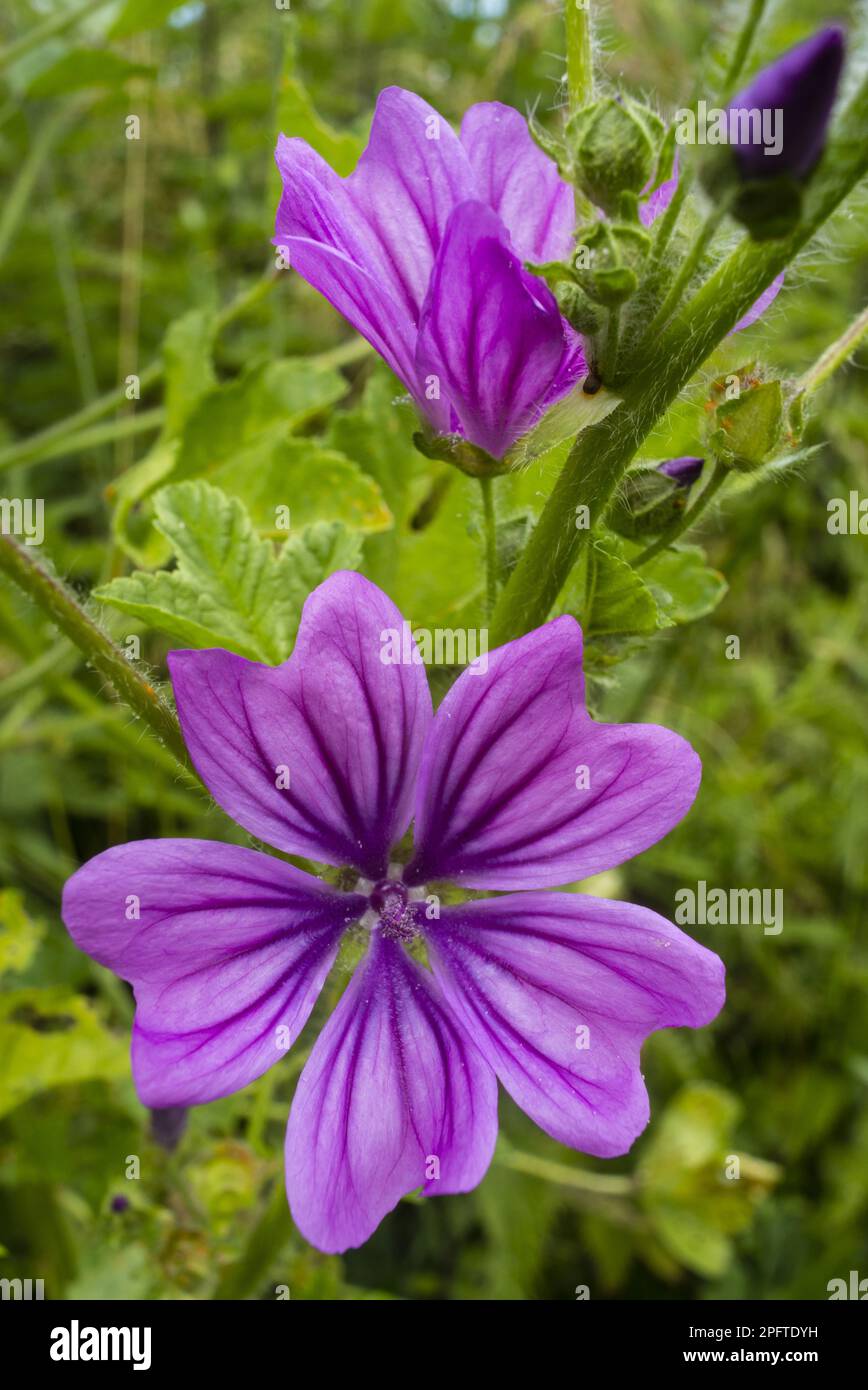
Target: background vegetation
[{"x": 120, "y": 253}]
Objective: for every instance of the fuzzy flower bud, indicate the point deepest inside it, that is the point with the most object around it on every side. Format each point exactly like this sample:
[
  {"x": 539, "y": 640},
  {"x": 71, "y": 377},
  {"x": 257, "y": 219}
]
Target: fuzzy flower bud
[
  {"x": 614, "y": 142},
  {"x": 649, "y": 499},
  {"x": 796, "y": 94}
]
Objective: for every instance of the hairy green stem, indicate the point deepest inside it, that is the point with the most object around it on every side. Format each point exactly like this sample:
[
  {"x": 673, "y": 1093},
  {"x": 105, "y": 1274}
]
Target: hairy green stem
[
  {"x": 580, "y": 71},
  {"x": 743, "y": 47},
  {"x": 60, "y": 604},
  {"x": 602, "y": 452},
  {"x": 687, "y": 519},
  {"x": 607, "y": 365},
  {"x": 486, "y": 486},
  {"x": 687, "y": 269},
  {"x": 579, "y": 1179},
  {"x": 835, "y": 354}
]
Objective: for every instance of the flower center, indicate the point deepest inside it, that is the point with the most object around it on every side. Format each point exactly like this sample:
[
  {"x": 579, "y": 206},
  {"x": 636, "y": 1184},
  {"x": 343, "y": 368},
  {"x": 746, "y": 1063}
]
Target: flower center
[{"x": 390, "y": 900}]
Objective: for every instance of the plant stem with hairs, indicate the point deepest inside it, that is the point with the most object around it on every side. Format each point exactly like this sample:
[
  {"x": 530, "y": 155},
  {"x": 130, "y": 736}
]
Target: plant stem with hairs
[
  {"x": 834, "y": 356},
  {"x": 490, "y": 526},
  {"x": 60, "y": 604},
  {"x": 580, "y": 70},
  {"x": 741, "y": 52}
]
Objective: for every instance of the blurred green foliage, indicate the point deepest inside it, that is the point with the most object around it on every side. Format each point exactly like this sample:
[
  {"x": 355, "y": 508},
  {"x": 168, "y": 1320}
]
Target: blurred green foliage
[{"x": 117, "y": 253}]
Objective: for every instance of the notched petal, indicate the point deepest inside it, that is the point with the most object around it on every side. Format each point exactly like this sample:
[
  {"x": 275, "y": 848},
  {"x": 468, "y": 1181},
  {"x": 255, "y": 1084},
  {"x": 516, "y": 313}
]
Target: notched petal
[
  {"x": 520, "y": 788},
  {"x": 559, "y": 991},
  {"x": 394, "y": 1097},
  {"x": 226, "y": 950}
]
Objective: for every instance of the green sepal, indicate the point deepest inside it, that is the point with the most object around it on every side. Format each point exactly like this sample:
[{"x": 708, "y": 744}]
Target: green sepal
[
  {"x": 577, "y": 309},
  {"x": 769, "y": 208},
  {"x": 747, "y": 429},
  {"x": 552, "y": 145},
  {"x": 646, "y": 503},
  {"x": 452, "y": 448}
]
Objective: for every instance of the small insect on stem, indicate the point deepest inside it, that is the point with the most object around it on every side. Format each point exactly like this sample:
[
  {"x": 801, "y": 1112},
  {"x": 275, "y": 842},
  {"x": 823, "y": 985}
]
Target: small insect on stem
[{"x": 591, "y": 384}]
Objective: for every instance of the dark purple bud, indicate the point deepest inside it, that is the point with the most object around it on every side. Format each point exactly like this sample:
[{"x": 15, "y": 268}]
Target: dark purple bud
[
  {"x": 167, "y": 1126},
  {"x": 684, "y": 471},
  {"x": 801, "y": 87},
  {"x": 120, "y": 1203}
]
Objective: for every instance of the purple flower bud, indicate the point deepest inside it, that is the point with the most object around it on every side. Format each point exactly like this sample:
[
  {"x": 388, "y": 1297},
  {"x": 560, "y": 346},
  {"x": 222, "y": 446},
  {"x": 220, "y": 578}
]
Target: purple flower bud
[
  {"x": 684, "y": 471},
  {"x": 119, "y": 1203},
  {"x": 801, "y": 85}
]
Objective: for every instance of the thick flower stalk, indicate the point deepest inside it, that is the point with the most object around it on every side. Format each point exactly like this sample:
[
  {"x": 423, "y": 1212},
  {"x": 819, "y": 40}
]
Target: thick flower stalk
[
  {"x": 512, "y": 788},
  {"x": 422, "y": 249}
]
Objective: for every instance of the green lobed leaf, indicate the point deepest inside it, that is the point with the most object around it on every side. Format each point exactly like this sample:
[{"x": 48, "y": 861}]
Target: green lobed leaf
[
  {"x": 188, "y": 359},
  {"x": 685, "y": 587},
  {"x": 608, "y": 597},
  {"x": 188, "y": 346},
  {"x": 240, "y": 437},
  {"x": 268, "y": 402},
  {"x": 377, "y": 434},
  {"x": 230, "y": 588},
  {"x": 312, "y": 482}
]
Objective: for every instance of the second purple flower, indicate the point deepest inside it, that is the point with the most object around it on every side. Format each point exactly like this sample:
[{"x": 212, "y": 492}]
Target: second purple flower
[{"x": 422, "y": 250}]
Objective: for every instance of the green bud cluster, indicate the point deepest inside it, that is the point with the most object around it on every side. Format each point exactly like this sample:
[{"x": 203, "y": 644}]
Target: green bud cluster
[{"x": 609, "y": 151}]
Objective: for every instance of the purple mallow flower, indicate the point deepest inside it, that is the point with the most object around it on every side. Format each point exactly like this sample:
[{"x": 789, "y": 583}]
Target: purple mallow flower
[
  {"x": 514, "y": 788},
  {"x": 422, "y": 247},
  {"x": 802, "y": 85}
]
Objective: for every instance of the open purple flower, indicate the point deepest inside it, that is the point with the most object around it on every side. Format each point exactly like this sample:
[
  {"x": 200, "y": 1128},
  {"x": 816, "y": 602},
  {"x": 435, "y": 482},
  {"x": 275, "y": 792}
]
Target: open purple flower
[
  {"x": 422, "y": 250},
  {"x": 514, "y": 788}
]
